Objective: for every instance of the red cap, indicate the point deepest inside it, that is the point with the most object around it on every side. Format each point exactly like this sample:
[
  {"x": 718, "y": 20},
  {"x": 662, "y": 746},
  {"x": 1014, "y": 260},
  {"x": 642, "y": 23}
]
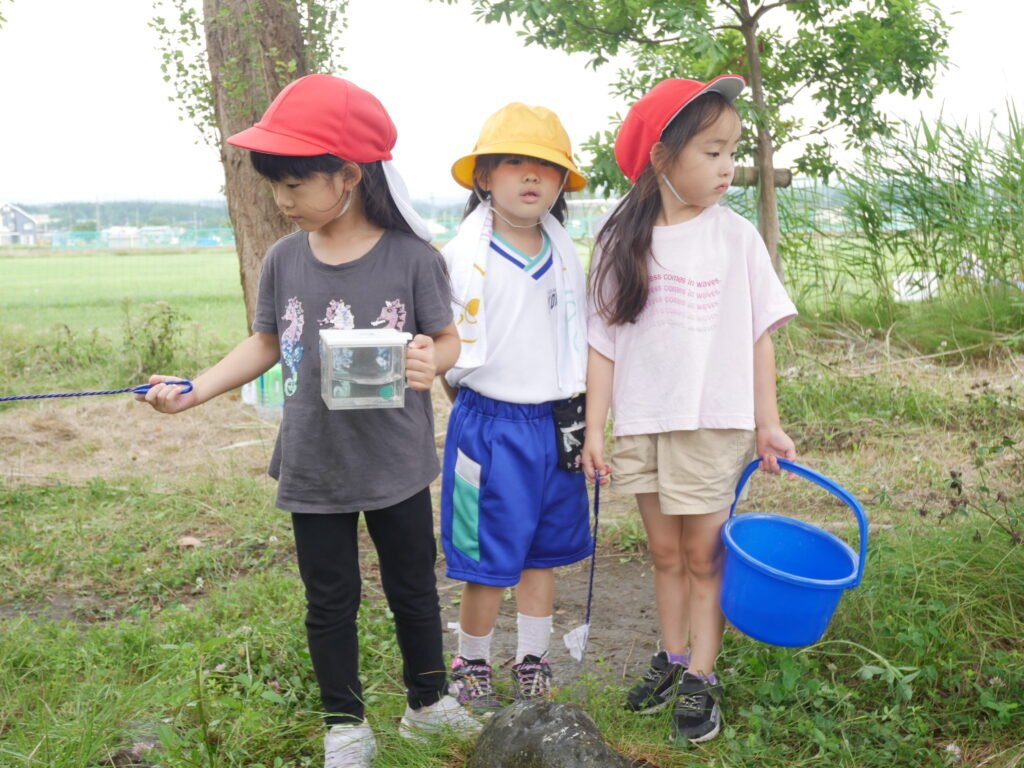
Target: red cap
[
  {"x": 322, "y": 115},
  {"x": 650, "y": 116}
]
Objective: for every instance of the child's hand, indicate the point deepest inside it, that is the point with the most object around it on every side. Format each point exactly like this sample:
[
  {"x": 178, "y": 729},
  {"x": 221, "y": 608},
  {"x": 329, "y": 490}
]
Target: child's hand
[
  {"x": 420, "y": 366},
  {"x": 593, "y": 458},
  {"x": 167, "y": 398},
  {"x": 772, "y": 444}
]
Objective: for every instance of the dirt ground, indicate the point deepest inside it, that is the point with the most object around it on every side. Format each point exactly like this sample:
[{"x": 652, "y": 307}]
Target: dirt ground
[{"x": 115, "y": 437}]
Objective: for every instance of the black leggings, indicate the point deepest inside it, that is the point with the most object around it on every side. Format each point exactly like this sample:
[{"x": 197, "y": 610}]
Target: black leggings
[{"x": 328, "y": 553}]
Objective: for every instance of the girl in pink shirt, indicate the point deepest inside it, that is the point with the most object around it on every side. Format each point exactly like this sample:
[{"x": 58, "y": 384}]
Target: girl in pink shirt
[{"x": 682, "y": 304}]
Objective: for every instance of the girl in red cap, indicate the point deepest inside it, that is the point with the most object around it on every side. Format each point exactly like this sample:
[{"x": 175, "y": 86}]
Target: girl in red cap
[
  {"x": 359, "y": 258},
  {"x": 513, "y": 500},
  {"x": 683, "y": 301}
]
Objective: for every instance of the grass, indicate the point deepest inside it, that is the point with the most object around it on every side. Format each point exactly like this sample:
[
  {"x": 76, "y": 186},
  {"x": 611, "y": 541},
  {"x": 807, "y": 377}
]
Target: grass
[
  {"x": 971, "y": 325},
  {"x": 102, "y": 320},
  {"x": 924, "y": 654},
  {"x": 198, "y": 648},
  {"x": 86, "y": 289},
  {"x": 87, "y": 541},
  {"x": 113, "y": 632}
]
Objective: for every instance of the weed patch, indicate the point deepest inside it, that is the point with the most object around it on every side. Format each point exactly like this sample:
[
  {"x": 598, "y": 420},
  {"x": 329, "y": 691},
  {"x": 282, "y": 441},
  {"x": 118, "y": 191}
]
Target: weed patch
[{"x": 103, "y": 550}]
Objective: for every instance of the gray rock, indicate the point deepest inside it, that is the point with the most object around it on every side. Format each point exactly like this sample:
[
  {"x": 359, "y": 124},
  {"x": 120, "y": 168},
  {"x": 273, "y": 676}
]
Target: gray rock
[
  {"x": 134, "y": 756},
  {"x": 543, "y": 734}
]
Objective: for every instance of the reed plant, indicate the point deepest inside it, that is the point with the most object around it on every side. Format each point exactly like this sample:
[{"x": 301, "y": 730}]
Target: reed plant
[{"x": 941, "y": 204}]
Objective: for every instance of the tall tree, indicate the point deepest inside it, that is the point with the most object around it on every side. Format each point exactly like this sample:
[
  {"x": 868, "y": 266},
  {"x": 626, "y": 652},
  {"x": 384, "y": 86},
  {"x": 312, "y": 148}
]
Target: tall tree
[
  {"x": 227, "y": 62},
  {"x": 844, "y": 54}
]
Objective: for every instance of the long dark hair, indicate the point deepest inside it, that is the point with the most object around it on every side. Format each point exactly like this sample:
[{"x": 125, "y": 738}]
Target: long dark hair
[
  {"x": 487, "y": 163},
  {"x": 625, "y": 238},
  {"x": 378, "y": 204}
]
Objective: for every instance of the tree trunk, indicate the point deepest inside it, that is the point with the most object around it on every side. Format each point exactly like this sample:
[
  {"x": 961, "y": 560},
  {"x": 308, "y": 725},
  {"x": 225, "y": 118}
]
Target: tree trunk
[
  {"x": 767, "y": 200},
  {"x": 250, "y": 46},
  {"x": 747, "y": 176}
]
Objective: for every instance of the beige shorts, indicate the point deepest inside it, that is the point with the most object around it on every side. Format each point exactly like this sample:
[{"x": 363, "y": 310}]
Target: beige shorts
[{"x": 694, "y": 472}]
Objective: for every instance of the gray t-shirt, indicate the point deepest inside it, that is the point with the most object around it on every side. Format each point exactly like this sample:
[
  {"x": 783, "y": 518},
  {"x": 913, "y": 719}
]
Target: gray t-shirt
[{"x": 349, "y": 460}]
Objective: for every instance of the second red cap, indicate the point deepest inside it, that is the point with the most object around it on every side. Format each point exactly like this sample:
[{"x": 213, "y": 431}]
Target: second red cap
[{"x": 650, "y": 116}]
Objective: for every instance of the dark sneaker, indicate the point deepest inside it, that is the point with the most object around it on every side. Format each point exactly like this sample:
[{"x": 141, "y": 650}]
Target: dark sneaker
[
  {"x": 472, "y": 686},
  {"x": 532, "y": 678},
  {"x": 697, "y": 717},
  {"x": 657, "y": 688}
]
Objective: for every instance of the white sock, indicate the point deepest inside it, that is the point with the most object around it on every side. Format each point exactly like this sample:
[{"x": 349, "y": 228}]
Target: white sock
[
  {"x": 473, "y": 647},
  {"x": 534, "y": 634}
]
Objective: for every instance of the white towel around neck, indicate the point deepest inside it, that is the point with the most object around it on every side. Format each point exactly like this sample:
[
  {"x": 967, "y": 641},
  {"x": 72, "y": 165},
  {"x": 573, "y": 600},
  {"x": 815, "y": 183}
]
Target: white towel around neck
[{"x": 467, "y": 257}]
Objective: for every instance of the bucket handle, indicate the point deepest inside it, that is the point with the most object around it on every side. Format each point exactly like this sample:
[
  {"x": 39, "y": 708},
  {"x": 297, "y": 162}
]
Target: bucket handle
[{"x": 820, "y": 480}]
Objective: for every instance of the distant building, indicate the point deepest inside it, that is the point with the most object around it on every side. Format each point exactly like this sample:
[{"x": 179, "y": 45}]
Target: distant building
[
  {"x": 18, "y": 227},
  {"x": 121, "y": 237},
  {"x": 161, "y": 235}
]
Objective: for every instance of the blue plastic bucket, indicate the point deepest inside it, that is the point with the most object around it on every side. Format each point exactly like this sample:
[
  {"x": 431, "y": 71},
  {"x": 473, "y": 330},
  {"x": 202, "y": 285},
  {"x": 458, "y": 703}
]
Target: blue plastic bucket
[{"x": 783, "y": 578}]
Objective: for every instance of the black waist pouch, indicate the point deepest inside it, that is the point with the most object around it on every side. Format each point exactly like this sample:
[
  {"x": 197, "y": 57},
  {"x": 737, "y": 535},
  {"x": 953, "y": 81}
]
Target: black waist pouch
[{"x": 570, "y": 422}]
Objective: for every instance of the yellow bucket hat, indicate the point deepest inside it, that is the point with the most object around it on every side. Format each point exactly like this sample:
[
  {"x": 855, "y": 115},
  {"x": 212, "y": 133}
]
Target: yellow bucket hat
[{"x": 518, "y": 129}]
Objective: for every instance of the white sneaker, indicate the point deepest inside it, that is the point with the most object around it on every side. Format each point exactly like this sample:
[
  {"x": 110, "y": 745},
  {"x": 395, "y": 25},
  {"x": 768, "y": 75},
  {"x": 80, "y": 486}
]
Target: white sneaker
[
  {"x": 350, "y": 745},
  {"x": 445, "y": 714}
]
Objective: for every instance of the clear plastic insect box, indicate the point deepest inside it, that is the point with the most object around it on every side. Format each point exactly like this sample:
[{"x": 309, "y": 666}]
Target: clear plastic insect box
[{"x": 363, "y": 368}]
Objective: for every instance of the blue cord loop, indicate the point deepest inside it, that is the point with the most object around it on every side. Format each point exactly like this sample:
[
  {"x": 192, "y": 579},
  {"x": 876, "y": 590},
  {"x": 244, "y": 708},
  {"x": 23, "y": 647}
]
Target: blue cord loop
[
  {"x": 144, "y": 388},
  {"x": 141, "y": 389}
]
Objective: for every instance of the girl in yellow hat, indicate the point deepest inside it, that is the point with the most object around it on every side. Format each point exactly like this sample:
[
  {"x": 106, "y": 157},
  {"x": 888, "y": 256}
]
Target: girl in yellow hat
[{"x": 514, "y": 501}]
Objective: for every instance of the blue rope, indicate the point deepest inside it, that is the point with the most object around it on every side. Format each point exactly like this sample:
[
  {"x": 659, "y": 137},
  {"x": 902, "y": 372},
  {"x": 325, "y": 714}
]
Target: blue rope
[
  {"x": 141, "y": 389},
  {"x": 593, "y": 555}
]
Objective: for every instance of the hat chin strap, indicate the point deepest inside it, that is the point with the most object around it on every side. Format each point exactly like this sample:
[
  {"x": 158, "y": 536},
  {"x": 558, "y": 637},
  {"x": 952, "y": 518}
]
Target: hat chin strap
[
  {"x": 345, "y": 207},
  {"x": 672, "y": 189},
  {"x": 504, "y": 218}
]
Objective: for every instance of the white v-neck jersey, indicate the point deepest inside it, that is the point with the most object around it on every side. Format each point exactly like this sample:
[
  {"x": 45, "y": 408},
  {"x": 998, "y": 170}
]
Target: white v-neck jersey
[{"x": 522, "y": 328}]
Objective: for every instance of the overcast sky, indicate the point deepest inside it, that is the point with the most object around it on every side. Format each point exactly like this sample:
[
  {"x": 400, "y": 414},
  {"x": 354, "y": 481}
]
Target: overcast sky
[{"x": 84, "y": 112}]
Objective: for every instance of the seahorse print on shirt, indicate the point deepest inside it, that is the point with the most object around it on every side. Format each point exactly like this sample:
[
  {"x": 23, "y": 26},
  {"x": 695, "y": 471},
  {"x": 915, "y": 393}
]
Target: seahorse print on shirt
[
  {"x": 339, "y": 317},
  {"x": 291, "y": 343},
  {"x": 392, "y": 315}
]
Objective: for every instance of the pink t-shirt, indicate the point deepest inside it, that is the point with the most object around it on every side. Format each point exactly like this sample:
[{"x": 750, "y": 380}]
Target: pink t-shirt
[{"x": 688, "y": 360}]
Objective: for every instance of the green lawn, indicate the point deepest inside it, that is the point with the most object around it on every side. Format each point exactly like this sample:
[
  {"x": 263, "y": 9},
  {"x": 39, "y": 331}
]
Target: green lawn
[
  {"x": 85, "y": 291},
  {"x": 104, "y": 319}
]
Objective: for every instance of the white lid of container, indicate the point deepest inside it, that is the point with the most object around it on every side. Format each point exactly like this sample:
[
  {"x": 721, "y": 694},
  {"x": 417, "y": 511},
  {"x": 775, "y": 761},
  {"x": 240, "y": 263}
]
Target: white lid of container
[{"x": 365, "y": 337}]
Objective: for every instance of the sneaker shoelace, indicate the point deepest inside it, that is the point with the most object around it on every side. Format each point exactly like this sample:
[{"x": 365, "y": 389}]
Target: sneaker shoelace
[
  {"x": 532, "y": 679},
  {"x": 477, "y": 678},
  {"x": 691, "y": 702},
  {"x": 654, "y": 675}
]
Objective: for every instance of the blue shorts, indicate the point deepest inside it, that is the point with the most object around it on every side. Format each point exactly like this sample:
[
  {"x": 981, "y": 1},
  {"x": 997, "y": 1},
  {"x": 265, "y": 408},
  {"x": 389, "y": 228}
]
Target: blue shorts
[{"x": 506, "y": 505}]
